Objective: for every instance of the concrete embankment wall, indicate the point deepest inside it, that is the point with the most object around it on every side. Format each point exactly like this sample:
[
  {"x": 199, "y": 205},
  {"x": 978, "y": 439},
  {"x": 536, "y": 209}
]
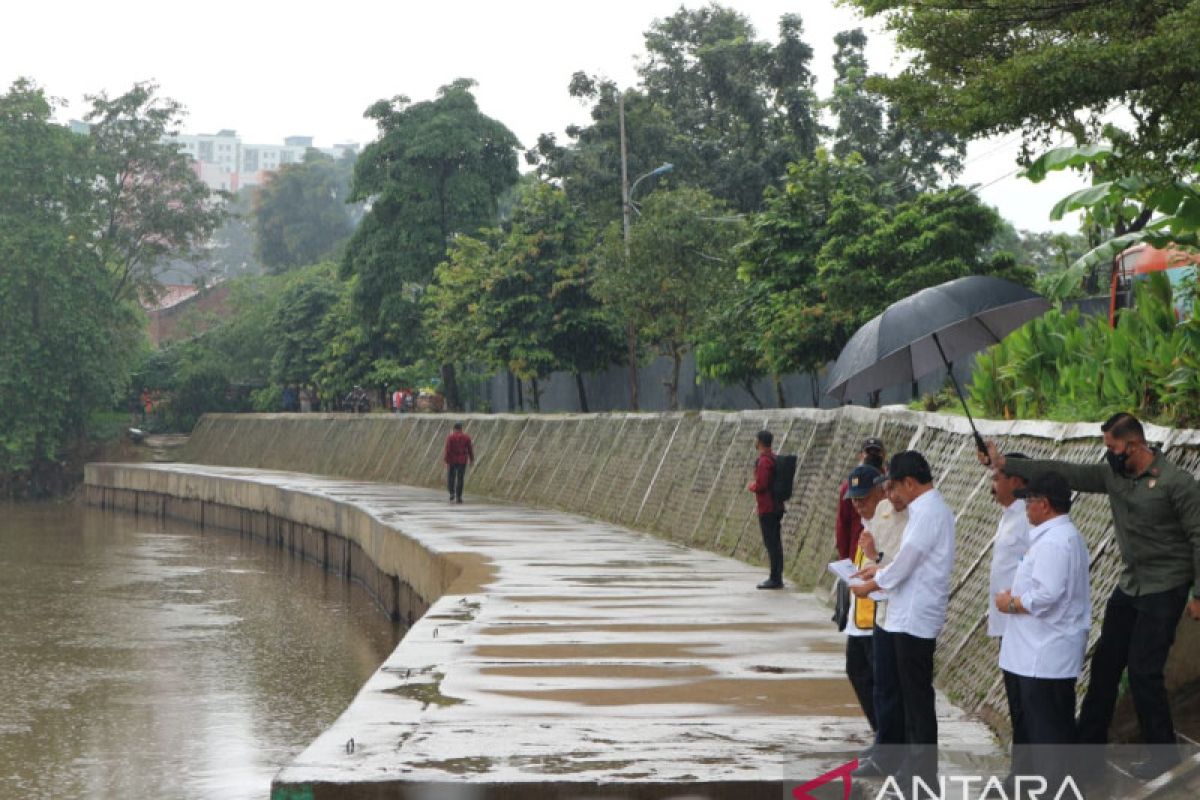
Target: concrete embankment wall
[
  {"x": 403, "y": 577},
  {"x": 682, "y": 476}
]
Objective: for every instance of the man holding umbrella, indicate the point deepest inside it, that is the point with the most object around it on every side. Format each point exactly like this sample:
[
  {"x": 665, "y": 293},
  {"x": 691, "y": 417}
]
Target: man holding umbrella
[{"x": 1156, "y": 520}]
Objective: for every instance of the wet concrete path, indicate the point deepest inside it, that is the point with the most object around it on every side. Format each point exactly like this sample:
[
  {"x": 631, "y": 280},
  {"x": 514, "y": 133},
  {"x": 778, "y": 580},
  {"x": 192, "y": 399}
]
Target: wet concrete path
[{"x": 585, "y": 655}]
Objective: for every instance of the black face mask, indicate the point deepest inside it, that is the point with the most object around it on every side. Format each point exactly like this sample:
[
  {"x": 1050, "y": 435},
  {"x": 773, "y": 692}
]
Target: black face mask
[{"x": 1117, "y": 461}]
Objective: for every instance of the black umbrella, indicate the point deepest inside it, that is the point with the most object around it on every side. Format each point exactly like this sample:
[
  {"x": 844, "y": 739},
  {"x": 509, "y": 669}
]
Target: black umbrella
[{"x": 928, "y": 330}]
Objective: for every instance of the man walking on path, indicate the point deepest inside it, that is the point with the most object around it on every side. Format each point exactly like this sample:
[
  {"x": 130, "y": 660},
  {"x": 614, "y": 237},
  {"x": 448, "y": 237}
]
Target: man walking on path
[
  {"x": 770, "y": 511},
  {"x": 1048, "y": 611},
  {"x": 458, "y": 454},
  {"x": 917, "y": 583},
  {"x": 1156, "y": 520}
]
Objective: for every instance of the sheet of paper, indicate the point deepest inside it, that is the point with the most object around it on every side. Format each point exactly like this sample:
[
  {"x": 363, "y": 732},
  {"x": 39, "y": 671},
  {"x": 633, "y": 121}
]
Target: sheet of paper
[{"x": 845, "y": 569}]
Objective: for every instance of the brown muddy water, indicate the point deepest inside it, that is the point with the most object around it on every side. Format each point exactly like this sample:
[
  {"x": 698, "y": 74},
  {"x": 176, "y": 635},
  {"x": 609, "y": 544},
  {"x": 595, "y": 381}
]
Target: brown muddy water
[{"x": 146, "y": 659}]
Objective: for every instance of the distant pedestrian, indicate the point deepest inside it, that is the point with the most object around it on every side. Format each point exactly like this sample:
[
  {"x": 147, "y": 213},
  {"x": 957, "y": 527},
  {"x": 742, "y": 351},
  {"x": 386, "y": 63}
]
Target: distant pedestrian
[
  {"x": 1049, "y": 610},
  {"x": 459, "y": 452},
  {"x": 770, "y": 510},
  {"x": 397, "y": 401}
]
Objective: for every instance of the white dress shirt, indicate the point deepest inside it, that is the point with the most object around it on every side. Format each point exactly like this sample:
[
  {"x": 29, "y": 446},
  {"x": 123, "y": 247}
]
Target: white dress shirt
[
  {"x": 1010, "y": 544},
  {"x": 1052, "y": 584},
  {"x": 918, "y": 579}
]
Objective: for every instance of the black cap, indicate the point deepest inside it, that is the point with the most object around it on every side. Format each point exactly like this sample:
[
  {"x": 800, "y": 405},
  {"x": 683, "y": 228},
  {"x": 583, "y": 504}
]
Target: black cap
[
  {"x": 1050, "y": 485},
  {"x": 910, "y": 464},
  {"x": 872, "y": 443},
  {"x": 862, "y": 480}
]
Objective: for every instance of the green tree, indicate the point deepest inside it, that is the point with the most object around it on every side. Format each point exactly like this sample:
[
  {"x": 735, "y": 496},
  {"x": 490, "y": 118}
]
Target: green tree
[
  {"x": 298, "y": 316},
  {"x": 521, "y": 300},
  {"x": 728, "y": 109},
  {"x": 1048, "y": 70},
  {"x": 679, "y": 270},
  {"x": 147, "y": 204},
  {"x": 876, "y": 255},
  {"x": 906, "y": 159},
  {"x": 64, "y": 345},
  {"x": 300, "y": 213},
  {"x": 436, "y": 170},
  {"x": 778, "y": 269}
]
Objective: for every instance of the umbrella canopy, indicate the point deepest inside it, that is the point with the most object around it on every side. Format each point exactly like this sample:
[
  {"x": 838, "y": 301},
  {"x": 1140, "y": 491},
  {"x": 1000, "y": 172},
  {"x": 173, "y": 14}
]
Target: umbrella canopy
[{"x": 929, "y": 329}]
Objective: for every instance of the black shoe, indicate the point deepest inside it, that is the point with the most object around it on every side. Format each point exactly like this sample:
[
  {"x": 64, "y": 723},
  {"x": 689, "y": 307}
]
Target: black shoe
[
  {"x": 770, "y": 584},
  {"x": 1151, "y": 768},
  {"x": 458, "y": 500},
  {"x": 869, "y": 769}
]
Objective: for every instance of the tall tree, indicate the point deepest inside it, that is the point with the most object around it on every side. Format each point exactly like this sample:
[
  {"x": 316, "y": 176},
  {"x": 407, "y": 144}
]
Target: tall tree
[
  {"x": 728, "y": 109},
  {"x": 65, "y": 345},
  {"x": 148, "y": 206},
  {"x": 300, "y": 214},
  {"x": 521, "y": 299},
  {"x": 435, "y": 171},
  {"x": 678, "y": 271},
  {"x": 907, "y": 158}
]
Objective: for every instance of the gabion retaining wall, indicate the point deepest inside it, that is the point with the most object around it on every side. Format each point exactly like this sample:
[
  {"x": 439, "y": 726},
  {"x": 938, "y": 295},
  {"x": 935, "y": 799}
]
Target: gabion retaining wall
[{"x": 682, "y": 476}]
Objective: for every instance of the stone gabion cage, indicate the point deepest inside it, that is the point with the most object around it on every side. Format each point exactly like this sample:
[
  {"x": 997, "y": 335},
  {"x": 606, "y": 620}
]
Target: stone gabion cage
[{"x": 682, "y": 476}]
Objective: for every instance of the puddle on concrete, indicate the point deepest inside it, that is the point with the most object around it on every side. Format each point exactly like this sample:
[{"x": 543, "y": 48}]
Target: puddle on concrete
[
  {"x": 799, "y": 697},
  {"x": 683, "y": 627},
  {"x": 477, "y": 573},
  {"x": 593, "y": 650},
  {"x": 614, "y": 671}
]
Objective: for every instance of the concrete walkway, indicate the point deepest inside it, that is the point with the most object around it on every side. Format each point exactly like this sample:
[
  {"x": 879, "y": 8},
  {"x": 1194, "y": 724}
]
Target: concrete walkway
[{"x": 585, "y": 659}]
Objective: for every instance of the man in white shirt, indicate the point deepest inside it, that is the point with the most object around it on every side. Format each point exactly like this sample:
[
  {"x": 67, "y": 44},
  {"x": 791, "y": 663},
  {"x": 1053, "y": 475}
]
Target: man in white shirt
[
  {"x": 1049, "y": 609},
  {"x": 1008, "y": 548},
  {"x": 917, "y": 583}
]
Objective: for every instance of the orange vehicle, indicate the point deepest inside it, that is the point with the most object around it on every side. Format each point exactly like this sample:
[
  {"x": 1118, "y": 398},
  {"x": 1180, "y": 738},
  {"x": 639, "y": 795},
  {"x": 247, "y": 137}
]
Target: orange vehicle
[{"x": 1136, "y": 264}]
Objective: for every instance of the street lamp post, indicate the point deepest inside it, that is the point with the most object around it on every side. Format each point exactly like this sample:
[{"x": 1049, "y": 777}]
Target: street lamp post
[{"x": 626, "y": 218}]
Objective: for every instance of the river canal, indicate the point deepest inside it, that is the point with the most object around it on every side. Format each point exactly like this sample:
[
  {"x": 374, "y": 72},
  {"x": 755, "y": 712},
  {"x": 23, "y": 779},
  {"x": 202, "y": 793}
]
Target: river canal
[{"x": 145, "y": 659}]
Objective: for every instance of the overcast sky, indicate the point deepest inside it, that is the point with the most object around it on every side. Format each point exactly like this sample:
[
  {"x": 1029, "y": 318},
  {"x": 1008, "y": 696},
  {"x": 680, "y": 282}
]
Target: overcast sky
[{"x": 273, "y": 69}]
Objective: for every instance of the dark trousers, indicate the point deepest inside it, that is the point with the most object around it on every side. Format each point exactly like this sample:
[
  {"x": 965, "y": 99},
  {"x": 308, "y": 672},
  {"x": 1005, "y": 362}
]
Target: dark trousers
[
  {"x": 455, "y": 475},
  {"x": 1020, "y": 764},
  {"x": 1137, "y": 634},
  {"x": 860, "y": 669},
  {"x": 914, "y": 663},
  {"x": 772, "y": 540},
  {"x": 889, "y": 705},
  {"x": 1044, "y": 718}
]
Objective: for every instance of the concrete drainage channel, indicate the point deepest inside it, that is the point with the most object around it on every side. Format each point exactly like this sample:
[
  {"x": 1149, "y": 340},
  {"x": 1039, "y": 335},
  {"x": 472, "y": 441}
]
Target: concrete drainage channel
[{"x": 558, "y": 657}]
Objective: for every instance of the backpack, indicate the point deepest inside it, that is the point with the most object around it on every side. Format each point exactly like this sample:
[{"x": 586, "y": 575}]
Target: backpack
[{"x": 784, "y": 477}]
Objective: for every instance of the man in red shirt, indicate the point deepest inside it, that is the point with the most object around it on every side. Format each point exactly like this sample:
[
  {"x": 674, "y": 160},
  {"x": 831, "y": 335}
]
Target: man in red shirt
[
  {"x": 849, "y": 524},
  {"x": 458, "y": 454},
  {"x": 770, "y": 511}
]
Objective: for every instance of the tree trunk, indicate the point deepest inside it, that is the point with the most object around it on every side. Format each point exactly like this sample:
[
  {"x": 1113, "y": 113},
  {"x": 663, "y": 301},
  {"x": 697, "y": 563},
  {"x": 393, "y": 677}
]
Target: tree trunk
[
  {"x": 520, "y": 395},
  {"x": 536, "y": 392},
  {"x": 748, "y": 385},
  {"x": 673, "y": 386},
  {"x": 780, "y": 400},
  {"x": 450, "y": 388},
  {"x": 579, "y": 387}
]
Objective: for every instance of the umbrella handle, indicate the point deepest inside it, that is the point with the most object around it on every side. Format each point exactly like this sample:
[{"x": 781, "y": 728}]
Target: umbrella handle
[{"x": 979, "y": 443}]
